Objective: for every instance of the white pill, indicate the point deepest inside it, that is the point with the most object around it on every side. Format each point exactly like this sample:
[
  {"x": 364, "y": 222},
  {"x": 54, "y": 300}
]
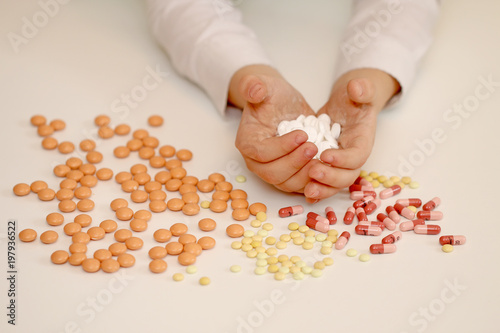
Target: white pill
[
  {"x": 282, "y": 127},
  {"x": 311, "y": 133},
  {"x": 301, "y": 119},
  {"x": 294, "y": 124},
  {"x": 324, "y": 118},
  {"x": 335, "y": 130},
  {"x": 310, "y": 121}
]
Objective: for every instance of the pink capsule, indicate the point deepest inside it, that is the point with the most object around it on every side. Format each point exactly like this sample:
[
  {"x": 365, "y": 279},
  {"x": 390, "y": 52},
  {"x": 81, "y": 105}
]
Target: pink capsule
[
  {"x": 404, "y": 211},
  {"x": 355, "y": 187},
  {"x": 410, "y": 202},
  {"x": 330, "y": 215},
  {"x": 290, "y": 211},
  {"x": 377, "y": 224},
  {"x": 389, "y": 224},
  {"x": 357, "y": 181},
  {"x": 393, "y": 215},
  {"x": 356, "y": 195},
  {"x": 361, "y": 215},
  {"x": 349, "y": 215},
  {"x": 382, "y": 248},
  {"x": 410, "y": 225},
  {"x": 392, "y": 238},
  {"x": 372, "y": 206},
  {"x": 317, "y": 225},
  {"x": 432, "y": 204},
  {"x": 367, "y": 230},
  {"x": 433, "y": 215},
  {"x": 453, "y": 240},
  {"x": 390, "y": 192},
  {"x": 363, "y": 202},
  {"x": 317, "y": 217},
  {"x": 342, "y": 240},
  {"x": 427, "y": 229}
]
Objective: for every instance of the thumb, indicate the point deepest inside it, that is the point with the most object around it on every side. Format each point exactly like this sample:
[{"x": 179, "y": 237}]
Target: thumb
[
  {"x": 360, "y": 91},
  {"x": 253, "y": 89}
]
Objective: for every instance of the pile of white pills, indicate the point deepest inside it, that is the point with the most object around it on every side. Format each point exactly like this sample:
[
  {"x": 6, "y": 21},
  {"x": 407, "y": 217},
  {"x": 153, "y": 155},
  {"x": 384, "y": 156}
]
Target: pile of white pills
[{"x": 318, "y": 130}]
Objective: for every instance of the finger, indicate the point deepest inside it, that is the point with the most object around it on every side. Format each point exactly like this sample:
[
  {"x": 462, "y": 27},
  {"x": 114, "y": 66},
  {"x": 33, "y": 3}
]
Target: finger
[
  {"x": 360, "y": 91},
  {"x": 279, "y": 170},
  {"x": 331, "y": 176},
  {"x": 297, "y": 182},
  {"x": 352, "y": 157},
  {"x": 315, "y": 192},
  {"x": 253, "y": 89}
]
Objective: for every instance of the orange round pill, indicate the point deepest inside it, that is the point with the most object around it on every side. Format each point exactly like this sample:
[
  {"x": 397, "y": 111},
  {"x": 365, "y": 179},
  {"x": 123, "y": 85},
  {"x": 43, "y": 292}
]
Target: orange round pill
[
  {"x": 187, "y": 188},
  {"x": 45, "y": 130},
  {"x": 174, "y": 248},
  {"x": 96, "y": 233},
  {"x": 117, "y": 248},
  {"x": 105, "y": 132},
  {"x": 218, "y": 206},
  {"x": 206, "y": 242},
  {"x": 94, "y": 157},
  {"x": 123, "y": 176},
  {"x": 134, "y": 144},
  {"x": 54, "y": 219},
  {"x": 241, "y": 214},
  {"x": 186, "y": 258},
  {"x": 191, "y": 198},
  {"x": 104, "y": 174},
  {"x": 238, "y": 194},
  {"x": 80, "y": 237},
  {"x": 216, "y": 177},
  {"x": 49, "y": 237},
  {"x": 76, "y": 259},
  {"x": 206, "y": 185},
  {"x": 126, "y": 260},
  {"x": 102, "y": 254},
  {"x": 66, "y": 147},
  {"x": 139, "y": 196},
  {"x": 102, "y": 120},
  {"x": 178, "y": 173},
  {"x": 257, "y": 207},
  {"x": 162, "y": 235},
  {"x": 122, "y": 235},
  {"x": 67, "y": 206},
  {"x": 64, "y": 194},
  {"x": 138, "y": 225},
  {"x": 150, "y": 141},
  {"x": 146, "y": 153},
  {"x": 27, "y": 235},
  {"x": 134, "y": 243},
  {"x": 173, "y": 163},
  {"x": 122, "y": 129},
  {"x": 158, "y": 266},
  {"x": 138, "y": 168},
  {"x": 61, "y": 170},
  {"x": 59, "y": 257},
  {"x": 68, "y": 183},
  {"x": 87, "y": 145},
  {"x": 152, "y": 186},
  {"x": 129, "y": 186},
  {"x": 38, "y": 185},
  {"x": 192, "y": 180},
  {"x": 143, "y": 214},
  {"x": 21, "y": 189},
  {"x": 239, "y": 203},
  {"x": 184, "y": 154},
  {"x": 74, "y": 162},
  {"x": 108, "y": 226},
  {"x": 175, "y": 204},
  {"x": 193, "y": 248},
  {"x": 38, "y": 120},
  {"x": 167, "y": 151},
  {"x": 157, "y": 161},
  {"x": 84, "y": 220},
  {"x": 49, "y": 143},
  {"x": 85, "y": 205},
  {"x": 178, "y": 229},
  {"x": 163, "y": 176},
  {"x": 155, "y": 120},
  {"x": 58, "y": 124},
  {"x": 173, "y": 185},
  {"x": 220, "y": 195},
  {"x": 89, "y": 180},
  {"x": 207, "y": 224},
  {"x": 224, "y": 186},
  {"x": 87, "y": 169},
  {"x": 158, "y": 195},
  {"x": 186, "y": 239},
  {"x": 191, "y": 209},
  {"x": 121, "y": 152},
  {"x": 77, "y": 248},
  {"x": 157, "y": 206},
  {"x": 82, "y": 192},
  {"x": 140, "y": 134},
  {"x": 142, "y": 178},
  {"x": 75, "y": 175},
  {"x": 235, "y": 230},
  {"x": 72, "y": 228},
  {"x": 124, "y": 214},
  {"x": 91, "y": 265},
  {"x": 110, "y": 265},
  {"x": 157, "y": 252}
]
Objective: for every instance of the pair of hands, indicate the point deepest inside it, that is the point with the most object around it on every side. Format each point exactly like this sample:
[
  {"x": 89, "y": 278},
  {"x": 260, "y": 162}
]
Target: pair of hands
[{"x": 287, "y": 161}]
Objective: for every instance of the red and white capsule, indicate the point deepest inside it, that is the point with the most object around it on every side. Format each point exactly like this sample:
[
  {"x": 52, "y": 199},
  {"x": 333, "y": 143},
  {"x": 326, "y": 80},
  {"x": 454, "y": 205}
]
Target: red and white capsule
[
  {"x": 377, "y": 224},
  {"x": 356, "y": 187},
  {"x": 363, "y": 202},
  {"x": 390, "y": 192},
  {"x": 342, "y": 240},
  {"x": 410, "y": 225},
  {"x": 356, "y": 195},
  {"x": 290, "y": 211},
  {"x": 410, "y": 202},
  {"x": 452, "y": 239},
  {"x": 330, "y": 215},
  {"x": 317, "y": 217},
  {"x": 427, "y": 229},
  {"x": 382, "y": 248},
  {"x": 317, "y": 225},
  {"x": 372, "y": 206},
  {"x": 404, "y": 211},
  {"x": 361, "y": 215},
  {"x": 432, "y": 215},
  {"x": 389, "y": 224},
  {"x": 430, "y": 205},
  {"x": 349, "y": 215},
  {"x": 392, "y": 238},
  {"x": 367, "y": 230}
]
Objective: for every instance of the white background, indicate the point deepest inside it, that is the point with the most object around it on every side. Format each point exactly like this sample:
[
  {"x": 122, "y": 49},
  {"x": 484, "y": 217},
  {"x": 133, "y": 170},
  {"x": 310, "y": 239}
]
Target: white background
[{"x": 92, "y": 52}]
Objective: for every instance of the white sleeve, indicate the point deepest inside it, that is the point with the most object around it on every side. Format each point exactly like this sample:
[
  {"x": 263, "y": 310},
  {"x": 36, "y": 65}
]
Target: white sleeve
[
  {"x": 206, "y": 42},
  {"x": 389, "y": 35}
]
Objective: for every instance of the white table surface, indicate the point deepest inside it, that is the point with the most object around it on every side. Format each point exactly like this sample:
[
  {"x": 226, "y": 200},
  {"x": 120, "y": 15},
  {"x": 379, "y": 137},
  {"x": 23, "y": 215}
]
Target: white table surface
[{"x": 91, "y": 52}]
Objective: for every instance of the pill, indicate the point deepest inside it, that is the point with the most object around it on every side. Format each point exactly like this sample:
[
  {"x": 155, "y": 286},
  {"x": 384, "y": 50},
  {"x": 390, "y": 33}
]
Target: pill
[
  {"x": 367, "y": 230},
  {"x": 78, "y": 248},
  {"x": 356, "y": 195},
  {"x": 377, "y": 224},
  {"x": 27, "y": 235},
  {"x": 58, "y": 124},
  {"x": 393, "y": 214},
  {"x": 317, "y": 225},
  {"x": 410, "y": 225},
  {"x": 427, "y": 229},
  {"x": 186, "y": 258},
  {"x": 404, "y": 211},
  {"x": 361, "y": 215},
  {"x": 235, "y": 230},
  {"x": 447, "y": 248},
  {"x": 204, "y": 281},
  {"x": 158, "y": 266},
  {"x": 349, "y": 215},
  {"x": 372, "y": 206},
  {"x": 126, "y": 260},
  {"x": 21, "y": 189},
  {"x": 382, "y": 248},
  {"x": 414, "y": 185},
  {"x": 388, "y": 223},
  {"x": 155, "y": 120},
  {"x": 364, "y": 257},
  {"x": 110, "y": 265},
  {"x": 317, "y": 217},
  {"x": 49, "y": 237},
  {"x": 410, "y": 202},
  {"x": 430, "y": 215},
  {"x": 290, "y": 211},
  {"x": 342, "y": 240},
  {"x": 122, "y": 129},
  {"x": 355, "y": 187},
  {"x": 392, "y": 238},
  {"x": 59, "y": 257},
  {"x": 240, "y": 214},
  {"x": 91, "y": 265},
  {"x": 330, "y": 215},
  {"x": 389, "y": 192},
  {"x": 38, "y": 120},
  {"x": 45, "y": 130},
  {"x": 452, "y": 239},
  {"x": 363, "y": 201},
  {"x": 118, "y": 248},
  {"x": 178, "y": 277},
  {"x": 76, "y": 259},
  {"x": 351, "y": 252},
  {"x": 433, "y": 203}
]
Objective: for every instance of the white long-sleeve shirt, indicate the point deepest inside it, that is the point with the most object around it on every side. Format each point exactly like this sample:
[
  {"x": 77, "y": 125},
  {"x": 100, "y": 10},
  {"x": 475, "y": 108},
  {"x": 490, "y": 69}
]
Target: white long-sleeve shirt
[{"x": 207, "y": 41}]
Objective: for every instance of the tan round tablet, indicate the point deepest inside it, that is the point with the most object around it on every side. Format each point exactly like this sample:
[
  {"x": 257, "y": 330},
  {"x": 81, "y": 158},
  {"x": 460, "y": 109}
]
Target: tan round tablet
[
  {"x": 142, "y": 178},
  {"x": 110, "y": 265},
  {"x": 184, "y": 154},
  {"x": 158, "y": 266},
  {"x": 45, "y": 130},
  {"x": 61, "y": 170},
  {"x": 174, "y": 248},
  {"x": 173, "y": 163},
  {"x": 27, "y": 235},
  {"x": 124, "y": 214},
  {"x": 192, "y": 180},
  {"x": 191, "y": 209},
  {"x": 74, "y": 162},
  {"x": 94, "y": 157},
  {"x": 117, "y": 248},
  {"x": 76, "y": 259},
  {"x": 173, "y": 185},
  {"x": 87, "y": 145},
  {"x": 102, "y": 120},
  {"x": 239, "y": 203},
  {"x": 134, "y": 144},
  {"x": 118, "y": 203},
  {"x": 121, "y": 152},
  {"x": 123, "y": 176},
  {"x": 186, "y": 239},
  {"x": 47, "y": 194},
  {"x": 83, "y": 219},
  {"x": 58, "y": 124},
  {"x": 70, "y": 184},
  {"x": 85, "y": 205},
  {"x": 96, "y": 233},
  {"x": 87, "y": 169},
  {"x": 152, "y": 186},
  {"x": 138, "y": 168},
  {"x": 216, "y": 177},
  {"x": 162, "y": 235},
  {"x": 75, "y": 175},
  {"x": 38, "y": 185},
  {"x": 143, "y": 214},
  {"x": 66, "y": 147},
  {"x": 72, "y": 228},
  {"x": 163, "y": 176},
  {"x": 65, "y": 194},
  {"x": 91, "y": 265},
  {"x": 82, "y": 192},
  {"x": 122, "y": 129},
  {"x": 158, "y": 195},
  {"x": 191, "y": 198},
  {"x": 241, "y": 214},
  {"x": 151, "y": 142},
  {"x": 218, "y": 206},
  {"x": 238, "y": 194},
  {"x": 108, "y": 226},
  {"x": 105, "y": 132},
  {"x": 54, "y": 219},
  {"x": 49, "y": 237},
  {"x": 67, "y": 206},
  {"x": 104, "y": 174},
  {"x": 80, "y": 237},
  {"x": 139, "y": 196},
  {"x": 49, "y": 143},
  {"x": 206, "y": 242},
  {"x": 186, "y": 259},
  {"x": 138, "y": 225},
  {"x": 193, "y": 248},
  {"x": 122, "y": 235},
  {"x": 129, "y": 186},
  {"x": 257, "y": 207},
  {"x": 88, "y": 180},
  {"x": 224, "y": 186},
  {"x": 102, "y": 254},
  {"x": 140, "y": 134},
  {"x": 207, "y": 224},
  {"x": 126, "y": 260},
  {"x": 175, "y": 204},
  {"x": 155, "y": 120},
  {"x": 178, "y": 173},
  {"x": 178, "y": 229},
  {"x": 187, "y": 188},
  {"x": 157, "y": 161},
  {"x": 38, "y": 120},
  {"x": 157, "y": 252},
  {"x": 157, "y": 206},
  {"x": 146, "y": 153},
  {"x": 78, "y": 248},
  {"x": 59, "y": 257},
  {"x": 235, "y": 230},
  {"x": 134, "y": 243},
  {"x": 205, "y": 185}
]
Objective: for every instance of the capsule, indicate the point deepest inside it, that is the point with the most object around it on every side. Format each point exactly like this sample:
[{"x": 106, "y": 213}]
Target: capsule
[
  {"x": 377, "y": 224},
  {"x": 410, "y": 202},
  {"x": 388, "y": 223},
  {"x": 432, "y": 204},
  {"x": 393, "y": 215},
  {"x": 452, "y": 240},
  {"x": 427, "y": 229},
  {"x": 349, "y": 215},
  {"x": 357, "y": 187},
  {"x": 410, "y": 225},
  {"x": 430, "y": 215},
  {"x": 364, "y": 182},
  {"x": 317, "y": 225},
  {"x": 317, "y": 217},
  {"x": 290, "y": 211},
  {"x": 330, "y": 215},
  {"x": 357, "y": 181},
  {"x": 361, "y": 215},
  {"x": 372, "y": 206},
  {"x": 367, "y": 230},
  {"x": 363, "y": 202},
  {"x": 342, "y": 240},
  {"x": 382, "y": 248},
  {"x": 390, "y": 192},
  {"x": 392, "y": 238},
  {"x": 404, "y": 211},
  {"x": 356, "y": 195}
]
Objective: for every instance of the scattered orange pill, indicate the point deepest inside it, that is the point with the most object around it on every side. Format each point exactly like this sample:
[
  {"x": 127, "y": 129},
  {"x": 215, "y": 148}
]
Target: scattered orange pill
[
  {"x": 38, "y": 185},
  {"x": 193, "y": 248},
  {"x": 75, "y": 175},
  {"x": 59, "y": 257},
  {"x": 257, "y": 207},
  {"x": 83, "y": 219},
  {"x": 235, "y": 230},
  {"x": 96, "y": 233},
  {"x": 143, "y": 214},
  {"x": 218, "y": 206},
  {"x": 239, "y": 203},
  {"x": 117, "y": 248},
  {"x": 61, "y": 170},
  {"x": 191, "y": 209},
  {"x": 65, "y": 194},
  {"x": 122, "y": 129},
  {"x": 173, "y": 163},
  {"x": 66, "y": 147},
  {"x": 91, "y": 265},
  {"x": 78, "y": 248},
  {"x": 104, "y": 174},
  {"x": 162, "y": 235},
  {"x": 27, "y": 235},
  {"x": 89, "y": 180},
  {"x": 21, "y": 189},
  {"x": 74, "y": 162},
  {"x": 174, "y": 248},
  {"x": 80, "y": 237},
  {"x": 72, "y": 228},
  {"x": 151, "y": 142},
  {"x": 68, "y": 183},
  {"x": 45, "y": 130},
  {"x": 163, "y": 176},
  {"x": 67, "y": 206},
  {"x": 216, "y": 177},
  {"x": 94, "y": 157},
  {"x": 47, "y": 194},
  {"x": 158, "y": 266},
  {"x": 102, "y": 120},
  {"x": 134, "y": 144},
  {"x": 157, "y": 206},
  {"x": 87, "y": 169},
  {"x": 241, "y": 214},
  {"x": 206, "y": 242},
  {"x": 87, "y": 145},
  {"x": 224, "y": 186},
  {"x": 134, "y": 243},
  {"x": 138, "y": 225},
  {"x": 121, "y": 152},
  {"x": 54, "y": 219},
  {"x": 123, "y": 176},
  {"x": 207, "y": 224},
  {"x": 152, "y": 186},
  {"x": 102, "y": 254},
  {"x": 76, "y": 259},
  {"x": 140, "y": 134},
  {"x": 184, "y": 155},
  {"x": 167, "y": 151},
  {"x": 124, "y": 213},
  {"x": 82, "y": 192},
  {"x": 238, "y": 194},
  {"x": 49, "y": 143},
  {"x": 126, "y": 260},
  {"x": 130, "y": 185},
  {"x": 155, "y": 120},
  {"x": 187, "y": 188},
  {"x": 58, "y": 124},
  {"x": 38, "y": 120},
  {"x": 105, "y": 132},
  {"x": 142, "y": 178},
  {"x": 49, "y": 237},
  {"x": 191, "y": 198},
  {"x": 108, "y": 226},
  {"x": 175, "y": 204},
  {"x": 146, "y": 153},
  {"x": 139, "y": 196},
  {"x": 110, "y": 265},
  {"x": 122, "y": 235},
  {"x": 220, "y": 195},
  {"x": 157, "y": 252},
  {"x": 85, "y": 205},
  {"x": 186, "y": 258},
  {"x": 157, "y": 161},
  {"x": 186, "y": 239},
  {"x": 178, "y": 229},
  {"x": 173, "y": 185}
]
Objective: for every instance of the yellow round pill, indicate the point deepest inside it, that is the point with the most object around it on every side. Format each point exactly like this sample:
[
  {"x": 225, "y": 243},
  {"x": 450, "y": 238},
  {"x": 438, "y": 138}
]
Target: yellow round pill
[
  {"x": 374, "y": 174},
  {"x": 178, "y": 277},
  {"x": 261, "y": 216},
  {"x": 388, "y": 183},
  {"x": 240, "y": 179},
  {"x": 395, "y": 179},
  {"x": 303, "y": 228},
  {"x": 279, "y": 276},
  {"x": 256, "y": 223},
  {"x": 447, "y": 248},
  {"x": 412, "y": 208},
  {"x": 246, "y": 247},
  {"x": 284, "y": 269},
  {"x": 293, "y": 226},
  {"x": 267, "y": 226},
  {"x": 248, "y": 233},
  {"x": 316, "y": 273},
  {"x": 364, "y": 257},
  {"x": 283, "y": 258},
  {"x": 252, "y": 253},
  {"x": 270, "y": 240},
  {"x": 235, "y": 268},
  {"x": 262, "y": 233},
  {"x": 307, "y": 245},
  {"x": 262, "y": 255},
  {"x": 294, "y": 269},
  {"x": 294, "y": 259},
  {"x": 272, "y": 260},
  {"x": 272, "y": 251},
  {"x": 351, "y": 252},
  {"x": 363, "y": 173},
  {"x": 382, "y": 178},
  {"x": 375, "y": 183},
  {"x": 369, "y": 178},
  {"x": 204, "y": 281},
  {"x": 236, "y": 245},
  {"x": 333, "y": 232},
  {"x": 285, "y": 238},
  {"x": 298, "y": 276},
  {"x": 191, "y": 269},
  {"x": 319, "y": 265},
  {"x": 309, "y": 233},
  {"x": 273, "y": 268},
  {"x": 298, "y": 241},
  {"x": 320, "y": 237},
  {"x": 325, "y": 250},
  {"x": 327, "y": 243},
  {"x": 406, "y": 180},
  {"x": 261, "y": 263},
  {"x": 328, "y": 261},
  {"x": 414, "y": 185},
  {"x": 306, "y": 269},
  {"x": 205, "y": 204},
  {"x": 281, "y": 245}
]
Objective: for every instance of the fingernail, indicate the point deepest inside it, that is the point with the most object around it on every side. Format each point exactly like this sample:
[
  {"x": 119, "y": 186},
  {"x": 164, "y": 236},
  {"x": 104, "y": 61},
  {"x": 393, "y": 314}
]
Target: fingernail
[{"x": 309, "y": 153}]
